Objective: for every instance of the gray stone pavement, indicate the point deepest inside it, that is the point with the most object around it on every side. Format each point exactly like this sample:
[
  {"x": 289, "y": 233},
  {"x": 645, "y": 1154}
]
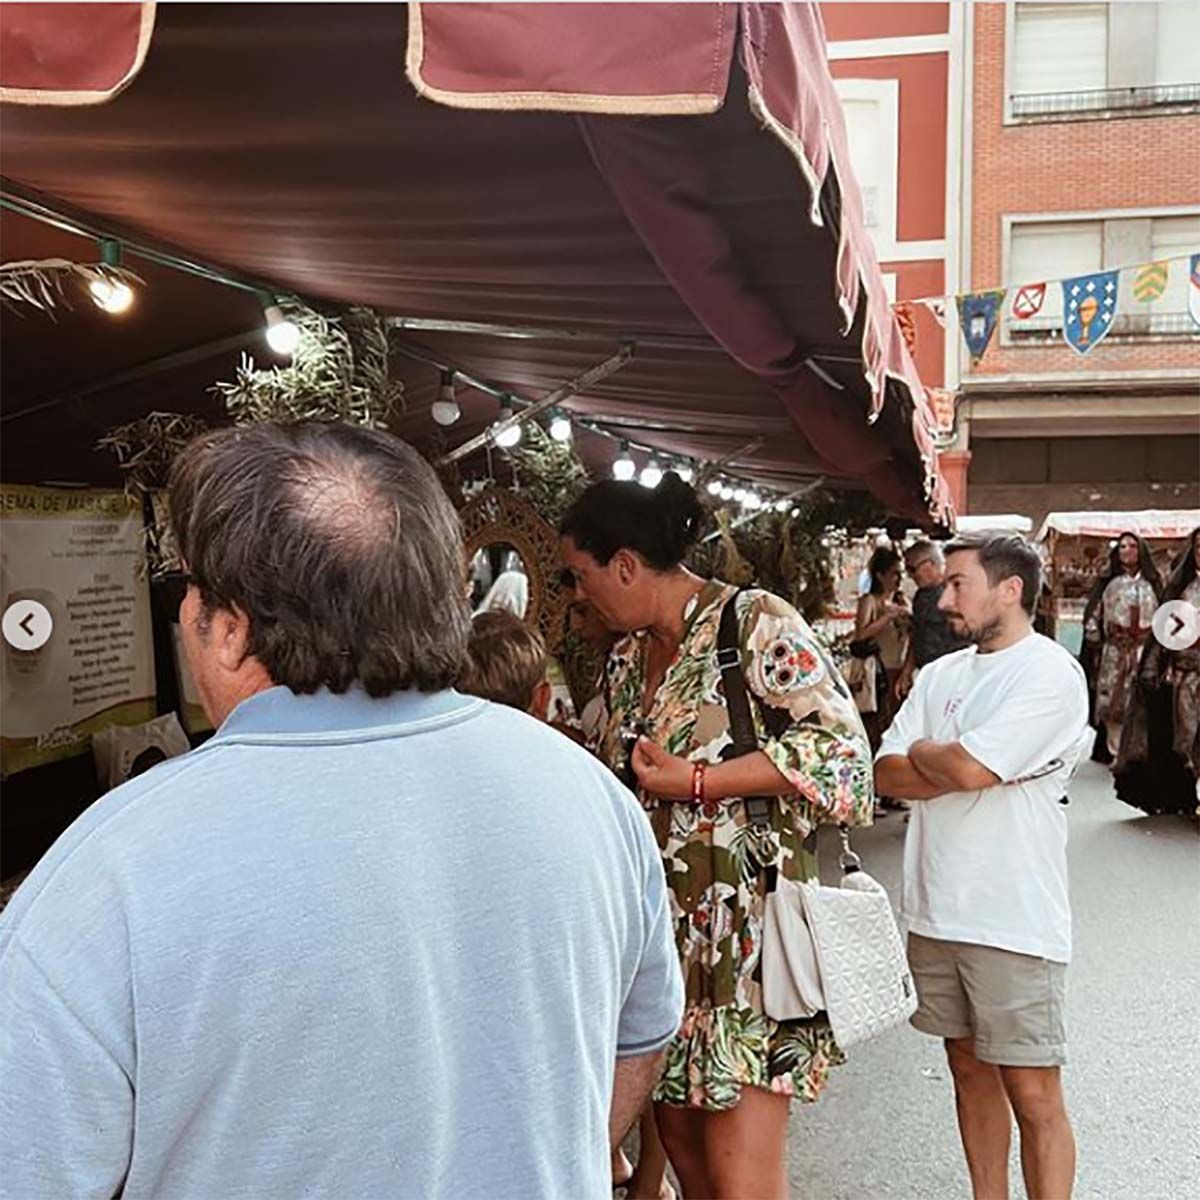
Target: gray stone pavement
[{"x": 885, "y": 1127}]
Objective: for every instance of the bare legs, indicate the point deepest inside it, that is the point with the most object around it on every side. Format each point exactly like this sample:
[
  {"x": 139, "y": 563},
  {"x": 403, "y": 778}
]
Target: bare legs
[
  {"x": 732, "y": 1154},
  {"x": 649, "y": 1178},
  {"x": 986, "y": 1097}
]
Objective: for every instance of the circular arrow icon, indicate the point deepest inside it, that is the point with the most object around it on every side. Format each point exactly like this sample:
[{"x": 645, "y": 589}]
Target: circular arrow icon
[
  {"x": 1177, "y": 625},
  {"x": 27, "y": 625}
]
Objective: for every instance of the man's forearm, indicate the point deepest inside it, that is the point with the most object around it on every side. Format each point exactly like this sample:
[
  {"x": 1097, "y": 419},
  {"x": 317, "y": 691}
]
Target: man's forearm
[
  {"x": 633, "y": 1082},
  {"x": 949, "y": 767},
  {"x": 895, "y": 776}
]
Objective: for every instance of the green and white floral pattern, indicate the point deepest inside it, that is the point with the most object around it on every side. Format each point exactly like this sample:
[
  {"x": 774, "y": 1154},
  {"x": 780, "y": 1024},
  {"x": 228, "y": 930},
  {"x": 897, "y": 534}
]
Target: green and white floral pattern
[{"x": 807, "y": 723}]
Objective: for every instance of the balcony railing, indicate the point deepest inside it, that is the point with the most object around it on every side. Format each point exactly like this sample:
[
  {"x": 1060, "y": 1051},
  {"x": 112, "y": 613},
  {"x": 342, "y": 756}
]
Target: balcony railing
[
  {"x": 1126, "y": 327},
  {"x": 1101, "y": 102}
]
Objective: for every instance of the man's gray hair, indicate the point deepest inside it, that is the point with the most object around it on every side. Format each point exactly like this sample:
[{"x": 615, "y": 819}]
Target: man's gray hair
[{"x": 924, "y": 549}]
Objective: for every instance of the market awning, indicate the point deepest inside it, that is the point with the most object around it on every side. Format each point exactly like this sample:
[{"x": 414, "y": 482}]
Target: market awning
[
  {"x": 670, "y": 175},
  {"x": 1146, "y": 523}
]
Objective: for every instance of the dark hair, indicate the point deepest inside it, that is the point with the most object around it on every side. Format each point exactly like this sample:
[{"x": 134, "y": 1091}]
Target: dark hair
[
  {"x": 506, "y": 660},
  {"x": 881, "y": 562},
  {"x": 661, "y": 524},
  {"x": 339, "y": 545},
  {"x": 1184, "y": 569},
  {"x": 1113, "y": 570},
  {"x": 1005, "y": 556}
]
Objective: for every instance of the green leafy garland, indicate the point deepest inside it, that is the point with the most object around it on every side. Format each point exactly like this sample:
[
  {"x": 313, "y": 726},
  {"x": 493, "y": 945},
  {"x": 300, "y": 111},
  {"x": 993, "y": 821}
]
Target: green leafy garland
[{"x": 339, "y": 372}]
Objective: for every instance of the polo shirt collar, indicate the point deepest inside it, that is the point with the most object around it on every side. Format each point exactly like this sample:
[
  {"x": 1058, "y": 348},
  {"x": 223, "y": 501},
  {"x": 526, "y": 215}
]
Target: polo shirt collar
[{"x": 279, "y": 710}]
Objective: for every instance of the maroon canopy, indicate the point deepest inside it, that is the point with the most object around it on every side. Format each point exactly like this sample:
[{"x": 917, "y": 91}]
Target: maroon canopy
[{"x": 284, "y": 144}]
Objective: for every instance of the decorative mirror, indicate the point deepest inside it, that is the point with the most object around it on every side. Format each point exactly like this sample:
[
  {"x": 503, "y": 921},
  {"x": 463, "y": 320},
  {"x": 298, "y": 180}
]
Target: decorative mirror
[{"x": 513, "y": 563}]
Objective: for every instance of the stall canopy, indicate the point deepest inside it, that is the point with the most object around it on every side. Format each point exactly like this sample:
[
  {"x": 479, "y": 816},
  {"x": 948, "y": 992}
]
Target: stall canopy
[
  {"x": 1146, "y": 523},
  {"x": 521, "y": 188}
]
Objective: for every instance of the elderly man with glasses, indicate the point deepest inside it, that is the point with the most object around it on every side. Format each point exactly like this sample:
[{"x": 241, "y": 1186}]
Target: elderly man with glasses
[{"x": 932, "y": 636}]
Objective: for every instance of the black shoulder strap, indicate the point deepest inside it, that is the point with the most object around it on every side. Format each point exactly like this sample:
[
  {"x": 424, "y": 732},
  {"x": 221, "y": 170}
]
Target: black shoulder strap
[{"x": 737, "y": 702}]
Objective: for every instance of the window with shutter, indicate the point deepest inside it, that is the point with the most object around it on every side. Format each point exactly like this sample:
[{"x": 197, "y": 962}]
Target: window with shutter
[
  {"x": 1173, "y": 238},
  {"x": 872, "y": 130},
  {"x": 1177, "y": 58},
  {"x": 1052, "y": 250},
  {"x": 1059, "y": 48}
]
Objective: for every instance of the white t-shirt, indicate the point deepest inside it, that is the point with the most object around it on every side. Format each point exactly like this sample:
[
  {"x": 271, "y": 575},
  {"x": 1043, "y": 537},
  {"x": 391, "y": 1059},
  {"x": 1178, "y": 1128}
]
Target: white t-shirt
[{"x": 990, "y": 866}]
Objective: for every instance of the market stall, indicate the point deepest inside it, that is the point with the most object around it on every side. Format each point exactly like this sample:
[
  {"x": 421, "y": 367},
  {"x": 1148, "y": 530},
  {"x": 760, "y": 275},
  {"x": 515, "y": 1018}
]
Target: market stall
[
  {"x": 1076, "y": 545},
  {"x": 640, "y": 224}
]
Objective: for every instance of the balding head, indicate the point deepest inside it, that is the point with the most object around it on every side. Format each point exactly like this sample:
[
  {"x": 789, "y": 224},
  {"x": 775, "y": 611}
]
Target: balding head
[{"x": 338, "y": 546}]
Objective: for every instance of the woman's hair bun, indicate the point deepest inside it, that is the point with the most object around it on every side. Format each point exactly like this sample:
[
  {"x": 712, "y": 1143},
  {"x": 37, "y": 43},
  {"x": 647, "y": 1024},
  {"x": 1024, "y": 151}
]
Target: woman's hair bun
[
  {"x": 682, "y": 513},
  {"x": 660, "y": 524}
]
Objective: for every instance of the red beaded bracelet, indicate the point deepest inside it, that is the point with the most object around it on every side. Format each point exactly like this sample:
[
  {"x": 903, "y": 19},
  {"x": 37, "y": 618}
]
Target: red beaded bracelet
[{"x": 698, "y": 771}]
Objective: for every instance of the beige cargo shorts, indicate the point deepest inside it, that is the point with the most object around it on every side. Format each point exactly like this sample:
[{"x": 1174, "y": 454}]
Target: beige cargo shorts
[{"x": 1011, "y": 1005}]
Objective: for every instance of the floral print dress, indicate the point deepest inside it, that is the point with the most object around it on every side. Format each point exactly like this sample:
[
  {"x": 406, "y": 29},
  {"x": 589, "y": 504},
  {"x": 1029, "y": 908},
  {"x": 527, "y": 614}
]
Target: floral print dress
[
  {"x": 807, "y": 724},
  {"x": 1122, "y": 621}
]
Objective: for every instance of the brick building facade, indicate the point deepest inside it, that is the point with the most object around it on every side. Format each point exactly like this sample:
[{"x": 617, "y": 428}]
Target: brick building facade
[
  {"x": 1033, "y": 142},
  {"x": 1062, "y": 181}
]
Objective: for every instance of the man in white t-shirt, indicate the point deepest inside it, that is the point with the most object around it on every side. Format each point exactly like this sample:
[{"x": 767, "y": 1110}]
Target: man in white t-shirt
[{"x": 986, "y": 742}]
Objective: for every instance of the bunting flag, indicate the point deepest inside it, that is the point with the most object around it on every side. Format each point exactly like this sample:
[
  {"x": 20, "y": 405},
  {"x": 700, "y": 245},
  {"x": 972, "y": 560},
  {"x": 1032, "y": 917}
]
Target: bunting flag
[
  {"x": 1028, "y": 301},
  {"x": 1194, "y": 289},
  {"x": 1150, "y": 282},
  {"x": 977, "y": 313},
  {"x": 906, "y": 318},
  {"x": 1089, "y": 305}
]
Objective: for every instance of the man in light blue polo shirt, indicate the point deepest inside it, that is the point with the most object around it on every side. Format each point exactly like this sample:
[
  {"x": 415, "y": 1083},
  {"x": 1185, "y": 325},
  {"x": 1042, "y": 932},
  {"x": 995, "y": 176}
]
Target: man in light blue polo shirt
[{"x": 373, "y": 939}]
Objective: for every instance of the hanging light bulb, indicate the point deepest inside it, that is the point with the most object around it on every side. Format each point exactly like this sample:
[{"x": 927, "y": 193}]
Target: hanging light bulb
[
  {"x": 652, "y": 474},
  {"x": 112, "y": 295},
  {"x": 752, "y": 500},
  {"x": 726, "y": 492},
  {"x": 795, "y": 513},
  {"x": 507, "y": 430},
  {"x": 739, "y": 494},
  {"x": 560, "y": 427},
  {"x": 715, "y": 487},
  {"x": 782, "y": 505},
  {"x": 283, "y": 336},
  {"x": 445, "y": 410},
  {"x": 624, "y": 467},
  {"x": 686, "y": 472}
]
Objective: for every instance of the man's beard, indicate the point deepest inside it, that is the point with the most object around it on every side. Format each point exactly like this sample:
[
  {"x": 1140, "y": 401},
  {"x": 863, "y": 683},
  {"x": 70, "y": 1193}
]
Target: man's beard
[{"x": 977, "y": 635}]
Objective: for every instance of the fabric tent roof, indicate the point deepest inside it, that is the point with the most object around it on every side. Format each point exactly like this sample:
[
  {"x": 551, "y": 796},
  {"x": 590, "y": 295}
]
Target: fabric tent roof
[
  {"x": 1148, "y": 523},
  {"x": 286, "y": 146}
]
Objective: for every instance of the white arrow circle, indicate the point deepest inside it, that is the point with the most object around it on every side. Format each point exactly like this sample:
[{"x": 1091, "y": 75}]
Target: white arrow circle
[
  {"x": 1177, "y": 624},
  {"x": 27, "y": 625}
]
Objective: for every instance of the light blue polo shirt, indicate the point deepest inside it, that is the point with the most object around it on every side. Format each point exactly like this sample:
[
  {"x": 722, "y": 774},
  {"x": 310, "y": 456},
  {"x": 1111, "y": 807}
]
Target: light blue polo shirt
[{"x": 352, "y": 947}]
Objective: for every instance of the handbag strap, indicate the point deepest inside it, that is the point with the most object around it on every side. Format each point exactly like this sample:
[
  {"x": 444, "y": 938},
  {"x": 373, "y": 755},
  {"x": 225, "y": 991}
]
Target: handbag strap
[{"x": 737, "y": 702}]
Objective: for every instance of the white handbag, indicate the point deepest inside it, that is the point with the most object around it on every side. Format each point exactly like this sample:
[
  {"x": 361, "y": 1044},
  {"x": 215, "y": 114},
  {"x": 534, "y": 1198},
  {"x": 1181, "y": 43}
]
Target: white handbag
[{"x": 837, "y": 950}]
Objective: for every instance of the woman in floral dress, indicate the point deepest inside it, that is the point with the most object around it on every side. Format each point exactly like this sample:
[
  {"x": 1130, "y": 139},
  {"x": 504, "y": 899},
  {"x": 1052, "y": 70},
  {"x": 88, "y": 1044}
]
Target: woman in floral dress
[
  {"x": 1116, "y": 625},
  {"x": 722, "y": 1102}
]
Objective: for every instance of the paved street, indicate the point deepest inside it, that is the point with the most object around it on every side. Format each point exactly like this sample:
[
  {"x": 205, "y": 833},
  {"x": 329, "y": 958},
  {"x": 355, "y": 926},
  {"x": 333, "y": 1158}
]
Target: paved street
[{"x": 886, "y": 1126}]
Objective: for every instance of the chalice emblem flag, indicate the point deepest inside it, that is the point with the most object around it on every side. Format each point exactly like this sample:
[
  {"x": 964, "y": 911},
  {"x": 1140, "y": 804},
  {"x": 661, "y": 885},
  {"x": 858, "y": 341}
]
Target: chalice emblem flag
[{"x": 1089, "y": 305}]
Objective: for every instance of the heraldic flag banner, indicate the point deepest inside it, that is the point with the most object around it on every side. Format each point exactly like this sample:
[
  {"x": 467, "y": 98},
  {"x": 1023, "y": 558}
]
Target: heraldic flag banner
[
  {"x": 977, "y": 313},
  {"x": 1089, "y": 305},
  {"x": 1194, "y": 289}
]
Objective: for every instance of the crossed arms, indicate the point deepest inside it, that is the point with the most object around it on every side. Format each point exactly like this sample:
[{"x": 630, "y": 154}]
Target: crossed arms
[{"x": 931, "y": 769}]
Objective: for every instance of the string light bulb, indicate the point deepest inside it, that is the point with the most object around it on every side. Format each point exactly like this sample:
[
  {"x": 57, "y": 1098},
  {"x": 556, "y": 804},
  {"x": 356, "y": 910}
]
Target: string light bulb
[
  {"x": 560, "y": 427},
  {"x": 715, "y": 487},
  {"x": 624, "y": 468},
  {"x": 752, "y": 500},
  {"x": 727, "y": 492},
  {"x": 782, "y": 505},
  {"x": 445, "y": 409},
  {"x": 507, "y": 429},
  {"x": 652, "y": 474},
  {"x": 283, "y": 336},
  {"x": 112, "y": 295},
  {"x": 739, "y": 494},
  {"x": 686, "y": 472}
]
